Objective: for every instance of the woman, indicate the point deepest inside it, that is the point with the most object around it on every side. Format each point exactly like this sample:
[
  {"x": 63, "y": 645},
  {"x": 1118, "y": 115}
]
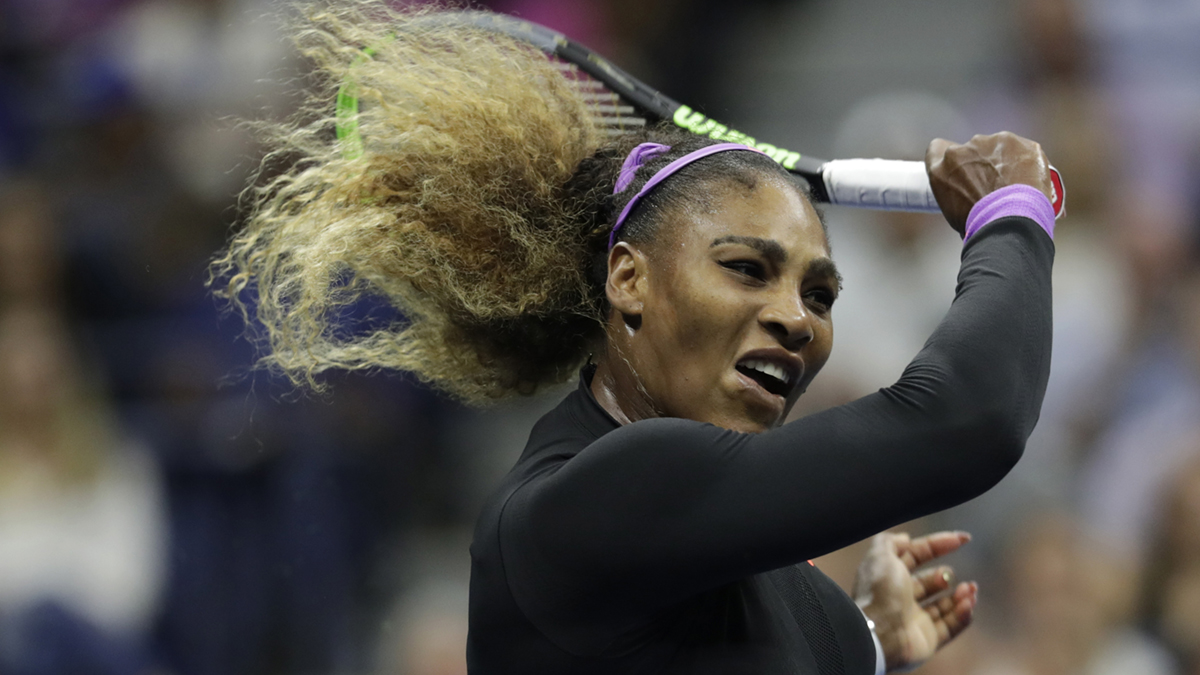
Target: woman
[{"x": 661, "y": 516}]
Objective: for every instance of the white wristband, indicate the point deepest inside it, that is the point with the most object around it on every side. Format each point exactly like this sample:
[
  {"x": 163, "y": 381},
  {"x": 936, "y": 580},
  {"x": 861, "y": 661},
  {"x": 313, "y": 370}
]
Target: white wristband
[{"x": 880, "y": 663}]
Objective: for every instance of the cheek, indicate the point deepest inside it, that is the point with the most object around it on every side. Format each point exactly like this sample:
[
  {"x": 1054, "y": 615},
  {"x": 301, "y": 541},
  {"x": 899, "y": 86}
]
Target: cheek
[
  {"x": 828, "y": 338},
  {"x": 698, "y": 328},
  {"x": 822, "y": 347},
  {"x": 705, "y": 320}
]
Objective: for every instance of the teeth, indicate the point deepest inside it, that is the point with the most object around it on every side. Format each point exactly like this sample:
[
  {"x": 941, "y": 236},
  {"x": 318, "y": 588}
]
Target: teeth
[{"x": 768, "y": 368}]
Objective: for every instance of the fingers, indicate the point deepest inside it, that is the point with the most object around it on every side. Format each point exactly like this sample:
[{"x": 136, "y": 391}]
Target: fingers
[
  {"x": 952, "y": 614},
  {"x": 935, "y": 152},
  {"x": 930, "y": 582},
  {"x": 962, "y": 174},
  {"x": 916, "y": 552}
]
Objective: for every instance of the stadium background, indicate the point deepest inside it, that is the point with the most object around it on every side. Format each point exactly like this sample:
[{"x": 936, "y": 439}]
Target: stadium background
[{"x": 164, "y": 511}]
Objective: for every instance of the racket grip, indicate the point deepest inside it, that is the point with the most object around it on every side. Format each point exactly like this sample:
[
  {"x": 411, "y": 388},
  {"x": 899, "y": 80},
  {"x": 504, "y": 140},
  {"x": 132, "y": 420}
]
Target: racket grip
[
  {"x": 897, "y": 185},
  {"x": 886, "y": 184}
]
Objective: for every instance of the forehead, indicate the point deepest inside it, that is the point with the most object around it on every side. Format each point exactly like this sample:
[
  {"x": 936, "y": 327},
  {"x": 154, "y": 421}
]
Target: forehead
[{"x": 773, "y": 210}]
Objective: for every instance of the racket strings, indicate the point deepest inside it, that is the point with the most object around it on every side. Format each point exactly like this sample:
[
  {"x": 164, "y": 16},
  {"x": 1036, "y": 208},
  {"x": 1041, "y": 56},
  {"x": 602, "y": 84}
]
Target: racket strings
[{"x": 609, "y": 112}]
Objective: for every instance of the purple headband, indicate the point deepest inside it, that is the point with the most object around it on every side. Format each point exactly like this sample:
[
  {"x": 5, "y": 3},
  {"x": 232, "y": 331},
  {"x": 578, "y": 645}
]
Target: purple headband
[{"x": 644, "y": 152}]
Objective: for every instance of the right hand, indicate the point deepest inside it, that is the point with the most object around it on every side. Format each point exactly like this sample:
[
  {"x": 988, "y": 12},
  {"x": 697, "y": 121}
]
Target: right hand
[{"x": 962, "y": 174}]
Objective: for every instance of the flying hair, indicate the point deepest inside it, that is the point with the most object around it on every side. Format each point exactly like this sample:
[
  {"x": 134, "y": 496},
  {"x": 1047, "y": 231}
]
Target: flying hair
[{"x": 479, "y": 209}]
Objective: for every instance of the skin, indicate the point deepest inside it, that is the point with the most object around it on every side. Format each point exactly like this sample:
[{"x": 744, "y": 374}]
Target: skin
[
  {"x": 916, "y": 611},
  {"x": 961, "y": 175},
  {"x": 748, "y": 275}
]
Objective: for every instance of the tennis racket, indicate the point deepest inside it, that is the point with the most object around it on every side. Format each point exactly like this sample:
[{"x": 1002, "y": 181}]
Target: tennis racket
[{"x": 620, "y": 103}]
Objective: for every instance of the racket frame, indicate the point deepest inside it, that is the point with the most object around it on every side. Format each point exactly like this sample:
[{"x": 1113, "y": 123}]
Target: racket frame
[{"x": 888, "y": 184}]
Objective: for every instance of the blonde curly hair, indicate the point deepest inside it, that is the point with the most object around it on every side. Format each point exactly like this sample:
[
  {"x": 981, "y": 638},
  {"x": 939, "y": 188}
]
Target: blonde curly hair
[{"x": 478, "y": 208}]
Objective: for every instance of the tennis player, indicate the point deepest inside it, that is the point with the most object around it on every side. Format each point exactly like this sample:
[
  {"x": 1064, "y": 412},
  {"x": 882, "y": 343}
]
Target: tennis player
[{"x": 660, "y": 518}]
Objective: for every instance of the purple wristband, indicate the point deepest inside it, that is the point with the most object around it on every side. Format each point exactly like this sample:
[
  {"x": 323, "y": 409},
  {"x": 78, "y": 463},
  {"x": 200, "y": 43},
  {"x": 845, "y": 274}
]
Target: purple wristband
[{"x": 1013, "y": 200}]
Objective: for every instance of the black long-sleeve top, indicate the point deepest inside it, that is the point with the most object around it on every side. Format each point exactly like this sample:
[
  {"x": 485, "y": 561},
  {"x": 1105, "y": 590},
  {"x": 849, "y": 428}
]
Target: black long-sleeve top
[{"x": 673, "y": 546}]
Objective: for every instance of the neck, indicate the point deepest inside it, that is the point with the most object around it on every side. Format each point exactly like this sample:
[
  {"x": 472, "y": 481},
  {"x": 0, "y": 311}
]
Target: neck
[{"x": 619, "y": 390}]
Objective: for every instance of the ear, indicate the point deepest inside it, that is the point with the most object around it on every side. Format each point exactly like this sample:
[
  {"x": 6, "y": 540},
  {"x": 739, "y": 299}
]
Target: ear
[{"x": 627, "y": 279}]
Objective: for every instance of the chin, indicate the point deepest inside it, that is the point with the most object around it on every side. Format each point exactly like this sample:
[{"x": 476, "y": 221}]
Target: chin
[
  {"x": 749, "y": 423},
  {"x": 736, "y": 413}
]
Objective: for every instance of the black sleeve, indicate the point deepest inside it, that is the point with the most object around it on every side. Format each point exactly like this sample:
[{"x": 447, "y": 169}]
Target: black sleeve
[{"x": 660, "y": 510}]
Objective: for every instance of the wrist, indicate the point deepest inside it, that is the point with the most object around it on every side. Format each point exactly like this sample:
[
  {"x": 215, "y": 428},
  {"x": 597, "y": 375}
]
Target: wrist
[
  {"x": 886, "y": 621},
  {"x": 880, "y": 657},
  {"x": 1013, "y": 200}
]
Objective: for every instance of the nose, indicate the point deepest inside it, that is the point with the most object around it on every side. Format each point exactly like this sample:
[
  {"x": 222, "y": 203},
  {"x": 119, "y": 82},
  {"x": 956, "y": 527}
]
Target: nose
[{"x": 789, "y": 321}]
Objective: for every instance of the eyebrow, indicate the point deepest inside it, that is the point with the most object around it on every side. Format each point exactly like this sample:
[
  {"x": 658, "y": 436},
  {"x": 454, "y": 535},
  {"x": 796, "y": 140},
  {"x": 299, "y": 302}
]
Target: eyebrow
[
  {"x": 768, "y": 247},
  {"x": 774, "y": 252},
  {"x": 826, "y": 268}
]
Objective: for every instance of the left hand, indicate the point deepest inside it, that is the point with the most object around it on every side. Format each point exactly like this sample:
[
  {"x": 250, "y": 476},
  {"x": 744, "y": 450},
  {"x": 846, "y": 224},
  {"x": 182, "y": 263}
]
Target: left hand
[{"x": 911, "y": 623}]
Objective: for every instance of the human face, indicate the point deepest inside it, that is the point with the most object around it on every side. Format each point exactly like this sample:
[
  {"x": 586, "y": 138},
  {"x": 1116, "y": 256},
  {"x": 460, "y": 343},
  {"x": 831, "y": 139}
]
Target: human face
[{"x": 730, "y": 291}]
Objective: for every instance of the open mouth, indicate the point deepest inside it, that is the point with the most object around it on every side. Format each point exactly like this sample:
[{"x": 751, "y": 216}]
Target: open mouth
[{"x": 770, "y": 376}]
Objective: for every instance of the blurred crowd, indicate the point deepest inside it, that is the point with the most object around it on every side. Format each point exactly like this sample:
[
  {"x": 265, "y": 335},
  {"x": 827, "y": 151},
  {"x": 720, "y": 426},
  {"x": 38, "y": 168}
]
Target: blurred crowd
[{"x": 166, "y": 509}]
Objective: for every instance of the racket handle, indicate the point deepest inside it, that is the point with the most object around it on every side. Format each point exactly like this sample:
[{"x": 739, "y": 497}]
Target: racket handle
[
  {"x": 886, "y": 184},
  {"x": 897, "y": 185}
]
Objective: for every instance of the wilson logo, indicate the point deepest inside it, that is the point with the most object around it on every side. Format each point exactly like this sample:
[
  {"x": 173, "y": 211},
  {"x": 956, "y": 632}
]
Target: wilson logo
[{"x": 699, "y": 124}]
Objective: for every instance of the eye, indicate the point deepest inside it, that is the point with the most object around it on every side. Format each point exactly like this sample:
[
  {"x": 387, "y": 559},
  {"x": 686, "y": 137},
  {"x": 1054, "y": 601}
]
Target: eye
[
  {"x": 821, "y": 299},
  {"x": 749, "y": 268}
]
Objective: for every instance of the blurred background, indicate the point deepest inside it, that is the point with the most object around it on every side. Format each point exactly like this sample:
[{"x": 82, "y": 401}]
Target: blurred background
[{"x": 164, "y": 512}]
